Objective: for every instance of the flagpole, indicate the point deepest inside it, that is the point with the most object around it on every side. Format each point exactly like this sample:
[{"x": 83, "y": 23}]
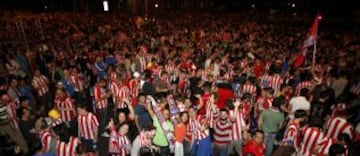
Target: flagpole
[{"x": 314, "y": 55}]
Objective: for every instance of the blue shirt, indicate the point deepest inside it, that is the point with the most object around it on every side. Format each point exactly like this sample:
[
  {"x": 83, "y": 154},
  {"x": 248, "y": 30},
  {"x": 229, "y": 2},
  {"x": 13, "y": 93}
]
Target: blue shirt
[
  {"x": 25, "y": 91},
  {"x": 144, "y": 118},
  {"x": 110, "y": 60},
  {"x": 101, "y": 69},
  {"x": 69, "y": 88}
]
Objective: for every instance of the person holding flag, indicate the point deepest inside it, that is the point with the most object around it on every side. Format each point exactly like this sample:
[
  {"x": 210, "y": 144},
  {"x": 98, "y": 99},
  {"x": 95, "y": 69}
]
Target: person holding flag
[{"x": 310, "y": 41}]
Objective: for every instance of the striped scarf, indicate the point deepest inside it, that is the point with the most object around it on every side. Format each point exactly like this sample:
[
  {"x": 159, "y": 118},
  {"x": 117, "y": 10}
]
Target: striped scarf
[{"x": 163, "y": 123}]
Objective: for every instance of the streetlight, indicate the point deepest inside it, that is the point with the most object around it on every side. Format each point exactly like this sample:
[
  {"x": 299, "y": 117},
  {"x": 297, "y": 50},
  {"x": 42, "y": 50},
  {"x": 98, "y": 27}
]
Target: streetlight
[{"x": 106, "y": 5}]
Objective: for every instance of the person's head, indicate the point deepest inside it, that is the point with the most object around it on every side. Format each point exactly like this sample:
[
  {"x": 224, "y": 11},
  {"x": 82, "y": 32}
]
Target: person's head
[
  {"x": 337, "y": 150},
  {"x": 316, "y": 122},
  {"x": 304, "y": 92},
  {"x": 285, "y": 88},
  {"x": 13, "y": 82},
  {"x": 285, "y": 151},
  {"x": 166, "y": 114},
  {"x": 81, "y": 150},
  {"x": 60, "y": 93},
  {"x": 184, "y": 117},
  {"x": 5, "y": 98},
  {"x": 224, "y": 114},
  {"x": 23, "y": 112},
  {"x": 37, "y": 73},
  {"x": 150, "y": 131},
  {"x": 102, "y": 83},
  {"x": 207, "y": 87},
  {"x": 258, "y": 137},
  {"x": 344, "y": 139},
  {"x": 187, "y": 102},
  {"x": 24, "y": 101},
  {"x": 121, "y": 117},
  {"x": 141, "y": 98},
  {"x": 300, "y": 115},
  {"x": 81, "y": 109},
  {"x": 192, "y": 112},
  {"x": 123, "y": 128},
  {"x": 278, "y": 101},
  {"x": 120, "y": 80},
  {"x": 164, "y": 75},
  {"x": 268, "y": 92}
]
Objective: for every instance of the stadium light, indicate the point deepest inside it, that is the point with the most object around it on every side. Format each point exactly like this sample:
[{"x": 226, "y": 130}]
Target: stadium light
[{"x": 106, "y": 5}]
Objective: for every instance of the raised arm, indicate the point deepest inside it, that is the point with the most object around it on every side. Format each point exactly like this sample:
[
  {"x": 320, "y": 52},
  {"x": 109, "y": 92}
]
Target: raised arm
[{"x": 201, "y": 103}]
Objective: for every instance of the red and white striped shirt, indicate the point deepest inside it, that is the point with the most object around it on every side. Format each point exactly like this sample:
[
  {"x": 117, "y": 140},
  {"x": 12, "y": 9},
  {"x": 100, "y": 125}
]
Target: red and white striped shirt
[
  {"x": 40, "y": 84},
  {"x": 67, "y": 149},
  {"x": 355, "y": 89},
  {"x": 210, "y": 115},
  {"x": 265, "y": 81},
  {"x": 114, "y": 90},
  {"x": 304, "y": 84},
  {"x": 143, "y": 64},
  {"x": 88, "y": 123},
  {"x": 122, "y": 94},
  {"x": 292, "y": 136},
  {"x": 99, "y": 94},
  {"x": 249, "y": 88},
  {"x": 119, "y": 145},
  {"x": 313, "y": 137},
  {"x": 238, "y": 125},
  {"x": 45, "y": 138},
  {"x": 275, "y": 82},
  {"x": 11, "y": 109},
  {"x": 66, "y": 108},
  {"x": 195, "y": 128},
  {"x": 170, "y": 68},
  {"x": 113, "y": 76},
  {"x": 134, "y": 86},
  {"x": 336, "y": 126},
  {"x": 222, "y": 130},
  {"x": 77, "y": 82}
]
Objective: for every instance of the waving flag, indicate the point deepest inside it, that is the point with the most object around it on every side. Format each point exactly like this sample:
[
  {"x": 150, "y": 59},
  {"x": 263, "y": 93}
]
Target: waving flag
[{"x": 310, "y": 41}]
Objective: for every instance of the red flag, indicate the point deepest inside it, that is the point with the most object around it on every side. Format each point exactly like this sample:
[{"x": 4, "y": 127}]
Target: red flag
[{"x": 310, "y": 41}]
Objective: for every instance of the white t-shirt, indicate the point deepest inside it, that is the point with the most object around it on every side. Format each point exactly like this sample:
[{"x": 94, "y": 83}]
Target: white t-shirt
[{"x": 299, "y": 102}]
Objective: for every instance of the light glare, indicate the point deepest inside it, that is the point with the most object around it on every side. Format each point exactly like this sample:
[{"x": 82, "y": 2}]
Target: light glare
[{"x": 106, "y": 5}]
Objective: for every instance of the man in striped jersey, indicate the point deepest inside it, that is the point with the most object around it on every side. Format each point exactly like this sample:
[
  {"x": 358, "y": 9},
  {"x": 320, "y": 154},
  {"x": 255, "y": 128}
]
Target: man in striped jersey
[
  {"x": 275, "y": 82},
  {"x": 65, "y": 106},
  {"x": 338, "y": 124},
  {"x": 314, "y": 141},
  {"x": 67, "y": 144},
  {"x": 222, "y": 131},
  {"x": 87, "y": 127},
  {"x": 293, "y": 130},
  {"x": 101, "y": 96},
  {"x": 6, "y": 128},
  {"x": 41, "y": 85},
  {"x": 199, "y": 127},
  {"x": 238, "y": 126}
]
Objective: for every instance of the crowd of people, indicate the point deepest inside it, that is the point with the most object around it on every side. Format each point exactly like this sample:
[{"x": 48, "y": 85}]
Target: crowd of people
[{"x": 182, "y": 84}]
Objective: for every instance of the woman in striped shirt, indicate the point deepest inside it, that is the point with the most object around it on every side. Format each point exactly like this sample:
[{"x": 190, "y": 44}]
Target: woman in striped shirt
[{"x": 119, "y": 144}]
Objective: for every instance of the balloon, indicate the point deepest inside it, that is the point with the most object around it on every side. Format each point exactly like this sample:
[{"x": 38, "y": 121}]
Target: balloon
[{"x": 54, "y": 114}]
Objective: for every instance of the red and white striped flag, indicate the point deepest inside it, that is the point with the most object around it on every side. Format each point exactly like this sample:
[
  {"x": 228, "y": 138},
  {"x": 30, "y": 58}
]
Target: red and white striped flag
[{"x": 310, "y": 41}]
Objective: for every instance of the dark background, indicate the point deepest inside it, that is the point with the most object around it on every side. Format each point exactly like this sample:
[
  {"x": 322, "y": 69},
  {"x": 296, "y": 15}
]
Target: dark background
[{"x": 342, "y": 8}]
